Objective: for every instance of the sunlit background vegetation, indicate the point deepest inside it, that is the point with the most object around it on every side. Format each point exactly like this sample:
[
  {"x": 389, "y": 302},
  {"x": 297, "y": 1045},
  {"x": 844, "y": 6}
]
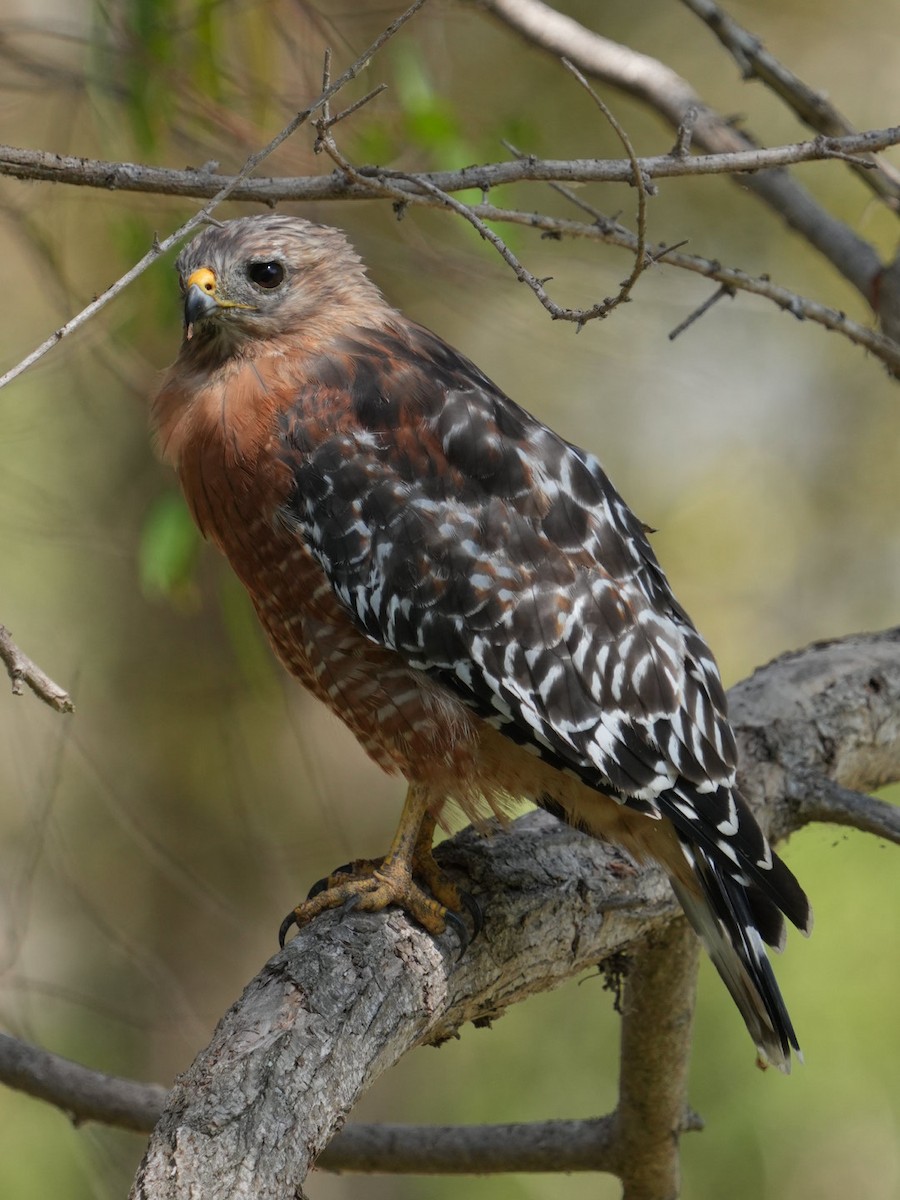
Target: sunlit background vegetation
[{"x": 152, "y": 842}]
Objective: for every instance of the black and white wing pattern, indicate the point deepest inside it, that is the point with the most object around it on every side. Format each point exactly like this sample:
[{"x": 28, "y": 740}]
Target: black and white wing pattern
[{"x": 487, "y": 551}]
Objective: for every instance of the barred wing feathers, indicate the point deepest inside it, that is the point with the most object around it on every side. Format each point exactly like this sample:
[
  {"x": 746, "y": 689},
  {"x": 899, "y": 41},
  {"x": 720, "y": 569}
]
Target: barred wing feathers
[{"x": 493, "y": 555}]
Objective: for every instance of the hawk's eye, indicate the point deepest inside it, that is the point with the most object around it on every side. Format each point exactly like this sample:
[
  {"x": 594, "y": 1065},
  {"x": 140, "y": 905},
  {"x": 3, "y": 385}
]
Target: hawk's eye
[{"x": 266, "y": 274}]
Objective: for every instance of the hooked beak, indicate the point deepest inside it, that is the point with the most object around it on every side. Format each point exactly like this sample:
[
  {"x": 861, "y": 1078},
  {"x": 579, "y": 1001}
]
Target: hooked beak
[{"x": 200, "y": 298}]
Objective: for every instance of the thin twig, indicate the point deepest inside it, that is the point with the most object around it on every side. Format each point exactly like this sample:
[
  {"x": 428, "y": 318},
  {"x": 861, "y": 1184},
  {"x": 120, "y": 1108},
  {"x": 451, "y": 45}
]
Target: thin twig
[
  {"x": 638, "y": 183},
  {"x": 357, "y": 104},
  {"x": 701, "y": 310},
  {"x": 22, "y": 670},
  {"x": 685, "y": 133},
  {"x": 804, "y": 309},
  {"x": 160, "y": 247},
  {"x": 387, "y": 183}
]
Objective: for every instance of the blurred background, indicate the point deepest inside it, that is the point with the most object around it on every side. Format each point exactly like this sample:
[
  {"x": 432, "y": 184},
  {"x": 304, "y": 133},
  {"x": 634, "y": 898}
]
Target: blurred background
[{"x": 151, "y": 843}]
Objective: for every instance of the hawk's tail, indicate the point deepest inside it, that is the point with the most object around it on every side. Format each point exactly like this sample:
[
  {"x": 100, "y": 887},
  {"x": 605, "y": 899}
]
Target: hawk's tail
[{"x": 736, "y": 916}]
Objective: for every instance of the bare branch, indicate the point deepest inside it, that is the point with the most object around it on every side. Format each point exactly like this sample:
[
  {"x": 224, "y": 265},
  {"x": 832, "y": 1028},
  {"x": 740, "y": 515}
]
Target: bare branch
[
  {"x": 804, "y": 309},
  {"x": 22, "y": 670},
  {"x": 259, "y": 1105},
  {"x": 701, "y": 310},
  {"x": 640, "y": 261},
  {"x": 88, "y": 1095},
  {"x": 657, "y": 1021},
  {"x": 813, "y": 107},
  {"x": 829, "y": 712},
  {"x": 474, "y": 1149},
  {"x": 663, "y": 90},
  {"x": 819, "y": 799},
  {"x": 201, "y": 183},
  {"x": 387, "y": 183},
  {"x": 222, "y": 193},
  {"x": 602, "y": 229}
]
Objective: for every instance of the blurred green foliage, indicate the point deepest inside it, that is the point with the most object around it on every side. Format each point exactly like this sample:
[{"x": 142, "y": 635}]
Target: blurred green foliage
[
  {"x": 150, "y": 845},
  {"x": 168, "y": 550}
]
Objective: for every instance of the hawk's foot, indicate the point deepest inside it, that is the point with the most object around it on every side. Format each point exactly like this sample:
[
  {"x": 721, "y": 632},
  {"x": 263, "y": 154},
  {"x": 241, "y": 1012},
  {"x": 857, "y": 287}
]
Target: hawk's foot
[{"x": 371, "y": 885}]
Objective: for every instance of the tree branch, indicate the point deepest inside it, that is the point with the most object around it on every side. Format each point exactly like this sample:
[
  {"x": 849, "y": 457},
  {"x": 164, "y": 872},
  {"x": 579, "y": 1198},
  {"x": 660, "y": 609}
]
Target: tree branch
[
  {"x": 657, "y": 1020},
  {"x": 830, "y": 712},
  {"x": 277, "y": 1080},
  {"x": 90, "y": 1095},
  {"x": 824, "y": 800},
  {"x": 812, "y": 107},
  {"x": 200, "y": 183},
  {"x": 264, "y": 1098},
  {"x": 87, "y": 1094},
  {"x": 801, "y": 307},
  {"x": 21, "y": 670},
  {"x": 434, "y": 188},
  {"x": 663, "y": 90}
]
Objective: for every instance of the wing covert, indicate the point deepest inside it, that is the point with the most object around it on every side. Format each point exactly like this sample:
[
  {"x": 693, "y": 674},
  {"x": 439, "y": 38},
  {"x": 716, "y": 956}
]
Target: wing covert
[{"x": 487, "y": 551}]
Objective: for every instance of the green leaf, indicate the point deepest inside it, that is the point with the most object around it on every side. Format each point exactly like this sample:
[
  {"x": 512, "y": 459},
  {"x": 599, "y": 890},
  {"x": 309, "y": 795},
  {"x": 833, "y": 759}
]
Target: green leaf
[{"x": 167, "y": 554}]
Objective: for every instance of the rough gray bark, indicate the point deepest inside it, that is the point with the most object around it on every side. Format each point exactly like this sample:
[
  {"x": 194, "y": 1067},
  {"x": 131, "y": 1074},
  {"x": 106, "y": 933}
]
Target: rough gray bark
[{"x": 350, "y": 995}]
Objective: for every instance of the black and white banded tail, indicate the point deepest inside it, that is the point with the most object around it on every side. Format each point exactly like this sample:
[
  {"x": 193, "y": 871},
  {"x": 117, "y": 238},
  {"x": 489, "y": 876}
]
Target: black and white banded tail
[{"x": 741, "y": 895}]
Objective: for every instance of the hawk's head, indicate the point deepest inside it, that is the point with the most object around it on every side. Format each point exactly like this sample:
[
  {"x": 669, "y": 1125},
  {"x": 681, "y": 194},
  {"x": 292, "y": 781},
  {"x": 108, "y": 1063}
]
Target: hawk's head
[{"x": 268, "y": 276}]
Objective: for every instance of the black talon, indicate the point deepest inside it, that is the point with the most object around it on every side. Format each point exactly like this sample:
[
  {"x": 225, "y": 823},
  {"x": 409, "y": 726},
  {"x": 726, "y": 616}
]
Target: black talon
[
  {"x": 289, "y": 920},
  {"x": 323, "y": 884},
  {"x": 458, "y": 926},
  {"x": 475, "y": 911}
]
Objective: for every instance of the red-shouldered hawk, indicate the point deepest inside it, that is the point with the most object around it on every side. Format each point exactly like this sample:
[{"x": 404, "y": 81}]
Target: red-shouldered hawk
[{"x": 464, "y": 588}]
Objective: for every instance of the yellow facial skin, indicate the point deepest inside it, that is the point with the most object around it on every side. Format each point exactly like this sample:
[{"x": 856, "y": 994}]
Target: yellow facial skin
[{"x": 204, "y": 299}]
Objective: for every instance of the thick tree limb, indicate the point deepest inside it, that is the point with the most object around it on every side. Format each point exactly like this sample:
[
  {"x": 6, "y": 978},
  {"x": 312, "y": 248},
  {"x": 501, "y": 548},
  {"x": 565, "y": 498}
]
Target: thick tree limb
[
  {"x": 829, "y": 712},
  {"x": 348, "y": 997}
]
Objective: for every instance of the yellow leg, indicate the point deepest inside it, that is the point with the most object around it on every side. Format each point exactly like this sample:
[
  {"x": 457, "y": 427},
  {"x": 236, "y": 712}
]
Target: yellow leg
[{"x": 372, "y": 885}]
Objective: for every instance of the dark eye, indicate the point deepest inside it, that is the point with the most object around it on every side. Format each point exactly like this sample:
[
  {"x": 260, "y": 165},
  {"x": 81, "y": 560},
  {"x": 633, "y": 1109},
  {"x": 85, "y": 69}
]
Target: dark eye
[{"x": 266, "y": 274}]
